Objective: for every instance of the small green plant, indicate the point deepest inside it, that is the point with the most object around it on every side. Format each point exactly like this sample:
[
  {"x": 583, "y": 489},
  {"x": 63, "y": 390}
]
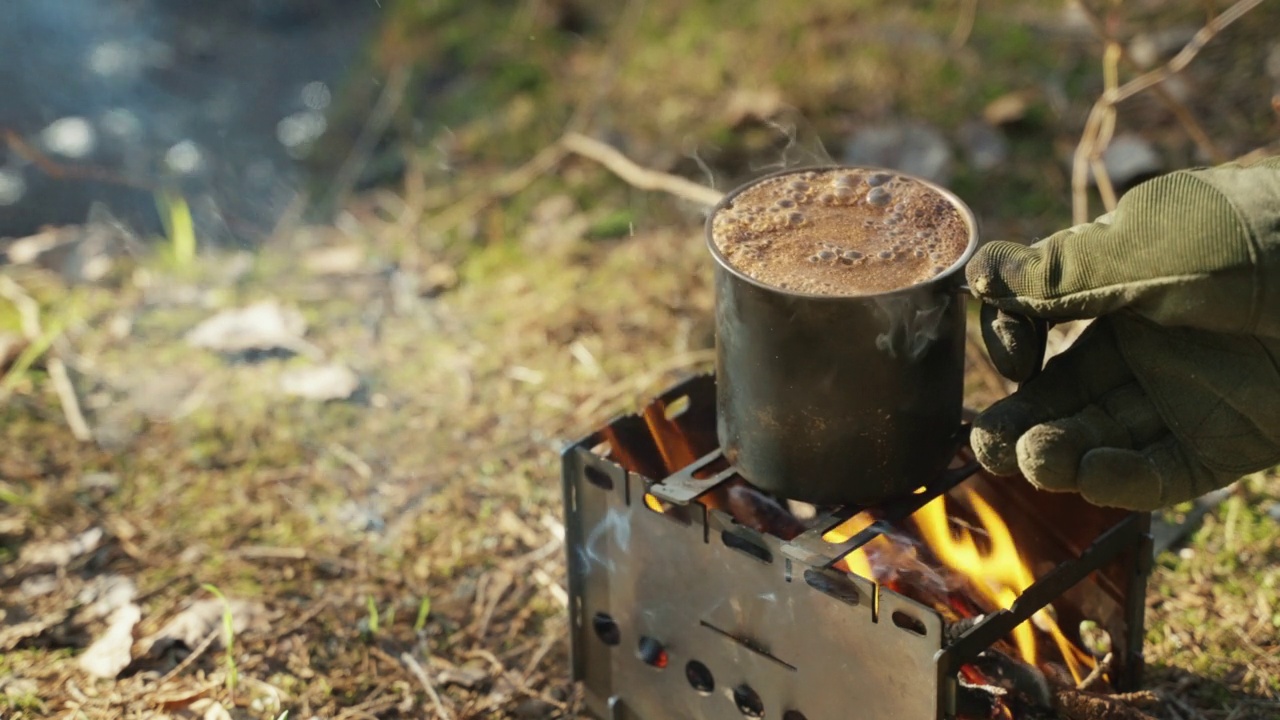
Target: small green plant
[
  {"x": 228, "y": 637},
  {"x": 178, "y": 226},
  {"x": 424, "y": 609},
  {"x": 27, "y": 358},
  {"x": 373, "y": 614}
]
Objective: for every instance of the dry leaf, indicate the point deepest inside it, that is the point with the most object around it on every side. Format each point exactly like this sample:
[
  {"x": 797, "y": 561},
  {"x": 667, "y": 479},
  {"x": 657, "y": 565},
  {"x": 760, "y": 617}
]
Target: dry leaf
[
  {"x": 320, "y": 382},
  {"x": 262, "y": 327},
  {"x": 60, "y": 554},
  {"x": 747, "y": 104},
  {"x": 110, "y": 653},
  {"x": 336, "y": 260},
  {"x": 104, "y": 595},
  {"x": 193, "y": 624},
  {"x": 1008, "y": 108},
  {"x": 205, "y": 709},
  {"x": 14, "y": 634}
]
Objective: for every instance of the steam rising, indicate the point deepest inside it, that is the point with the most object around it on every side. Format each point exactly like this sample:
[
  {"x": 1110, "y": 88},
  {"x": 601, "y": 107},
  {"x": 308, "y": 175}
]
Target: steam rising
[{"x": 912, "y": 328}]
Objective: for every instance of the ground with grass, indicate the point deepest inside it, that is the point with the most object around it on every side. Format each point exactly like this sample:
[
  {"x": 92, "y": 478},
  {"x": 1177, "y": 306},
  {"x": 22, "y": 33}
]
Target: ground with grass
[{"x": 398, "y": 553}]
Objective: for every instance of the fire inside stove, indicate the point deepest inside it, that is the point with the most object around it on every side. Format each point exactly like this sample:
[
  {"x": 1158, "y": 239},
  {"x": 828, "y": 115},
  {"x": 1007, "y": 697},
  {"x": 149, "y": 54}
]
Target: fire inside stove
[{"x": 695, "y": 595}]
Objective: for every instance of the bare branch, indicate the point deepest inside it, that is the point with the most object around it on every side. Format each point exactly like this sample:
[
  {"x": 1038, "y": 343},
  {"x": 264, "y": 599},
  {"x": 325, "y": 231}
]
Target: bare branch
[{"x": 640, "y": 177}]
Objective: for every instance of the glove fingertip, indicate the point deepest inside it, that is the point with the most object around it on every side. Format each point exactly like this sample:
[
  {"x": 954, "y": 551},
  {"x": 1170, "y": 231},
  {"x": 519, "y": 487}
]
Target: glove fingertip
[
  {"x": 1047, "y": 456},
  {"x": 995, "y": 436},
  {"x": 999, "y": 270}
]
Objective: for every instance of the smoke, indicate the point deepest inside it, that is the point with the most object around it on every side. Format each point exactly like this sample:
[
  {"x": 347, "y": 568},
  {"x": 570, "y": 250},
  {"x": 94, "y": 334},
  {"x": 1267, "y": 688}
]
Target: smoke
[{"x": 609, "y": 538}]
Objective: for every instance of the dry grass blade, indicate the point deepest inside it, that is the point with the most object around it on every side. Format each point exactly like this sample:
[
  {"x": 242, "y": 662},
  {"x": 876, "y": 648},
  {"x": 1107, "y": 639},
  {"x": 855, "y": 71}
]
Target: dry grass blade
[
  {"x": 1096, "y": 674},
  {"x": 1101, "y": 121},
  {"x": 1179, "y": 109},
  {"x": 425, "y": 680},
  {"x": 190, "y": 659},
  {"x": 1184, "y": 57},
  {"x": 29, "y": 317}
]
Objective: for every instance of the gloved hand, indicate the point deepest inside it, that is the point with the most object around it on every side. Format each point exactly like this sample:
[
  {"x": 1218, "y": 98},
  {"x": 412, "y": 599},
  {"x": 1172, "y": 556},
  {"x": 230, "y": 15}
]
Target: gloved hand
[{"x": 1175, "y": 389}]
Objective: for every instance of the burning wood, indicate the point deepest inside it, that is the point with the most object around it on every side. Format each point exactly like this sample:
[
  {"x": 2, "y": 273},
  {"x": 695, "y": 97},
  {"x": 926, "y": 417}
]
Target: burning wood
[
  {"x": 963, "y": 570},
  {"x": 761, "y": 512},
  {"x": 1010, "y": 688}
]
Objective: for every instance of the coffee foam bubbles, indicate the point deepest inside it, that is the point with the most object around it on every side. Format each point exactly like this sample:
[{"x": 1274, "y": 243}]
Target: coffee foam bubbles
[{"x": 840, "y": 232}]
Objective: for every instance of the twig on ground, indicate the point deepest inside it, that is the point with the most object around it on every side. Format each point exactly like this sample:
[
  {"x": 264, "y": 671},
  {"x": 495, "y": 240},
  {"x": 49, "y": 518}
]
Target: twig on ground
[
  {"x": 29, "y": 317},
  {"x": 351, "y": 460},
  {"x": 67, "y": 398},
  {"x": 536, "y": 659},
  {"x": 1183, "y": 708},
  {"x": 1096, "y": 674},
  {"x": 305, "y": 618},
  {"x": 541, "y": 577},
  {"x": 389, "y": 101},
  {"x": 59, "y": 171},
  {"x": 190, "y": 660},
  {"x": 964, "y": 24},
  {"x": 1078, "y": 705},
  {"x": 637, "y": 176},
  {"x": 264, "y": 552},
  {"x": 493, "y": 597},
  {"x": 426, "y": 683}
]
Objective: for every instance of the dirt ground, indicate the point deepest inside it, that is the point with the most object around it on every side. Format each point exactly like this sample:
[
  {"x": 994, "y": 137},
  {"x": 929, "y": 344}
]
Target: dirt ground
[{"x": 219, "y": 544}]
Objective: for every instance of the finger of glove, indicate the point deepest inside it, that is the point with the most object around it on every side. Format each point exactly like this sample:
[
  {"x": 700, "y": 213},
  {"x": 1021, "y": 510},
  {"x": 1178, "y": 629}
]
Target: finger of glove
[
  {"x": 1163, "y": 236},
  {"x": 1159, "y": 475},
  {"x": 1049, "y": 454},
  {"x": 1014, "y": 342},
  {"x": 1049, "y": 279},
  {"x": 1090, "y": 369}
]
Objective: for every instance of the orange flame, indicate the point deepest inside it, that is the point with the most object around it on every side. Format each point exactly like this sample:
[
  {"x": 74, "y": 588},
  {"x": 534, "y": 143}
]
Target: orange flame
[
  {"x": 676, "y": 450},
  {"x": 995, "y": 571},
  {"x": 998, "y": 574}
]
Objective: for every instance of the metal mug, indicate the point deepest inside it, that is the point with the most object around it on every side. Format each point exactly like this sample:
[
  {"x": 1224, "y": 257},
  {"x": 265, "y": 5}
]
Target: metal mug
[{"x": 840, "y": 399}]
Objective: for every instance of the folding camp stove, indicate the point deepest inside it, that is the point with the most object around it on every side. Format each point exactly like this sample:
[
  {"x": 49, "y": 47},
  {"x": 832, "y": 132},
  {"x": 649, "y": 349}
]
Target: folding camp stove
[{"x": 692, "y": 595}]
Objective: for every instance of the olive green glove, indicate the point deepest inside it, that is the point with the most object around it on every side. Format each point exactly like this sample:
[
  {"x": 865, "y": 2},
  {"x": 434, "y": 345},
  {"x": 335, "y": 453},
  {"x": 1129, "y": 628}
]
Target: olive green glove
[{"x": 1175, "y": 389}]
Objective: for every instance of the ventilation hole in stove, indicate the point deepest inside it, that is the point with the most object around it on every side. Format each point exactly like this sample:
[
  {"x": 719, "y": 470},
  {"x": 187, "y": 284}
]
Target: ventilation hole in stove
[
  {"x": 699, "y": 677},
  {"x": 677, "y": 407},
  {"x": 748, "y": 701},
  {"x": 606, "y": 629},
  {"x": 909, "y": 623},
  {"x": 598, "y": 477},
  {"x": 652, "y": 652},
  {"x": 837, "y": 586},
  {"x": 742, "y": 544},
  {"x": 793, "y": 715}
]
